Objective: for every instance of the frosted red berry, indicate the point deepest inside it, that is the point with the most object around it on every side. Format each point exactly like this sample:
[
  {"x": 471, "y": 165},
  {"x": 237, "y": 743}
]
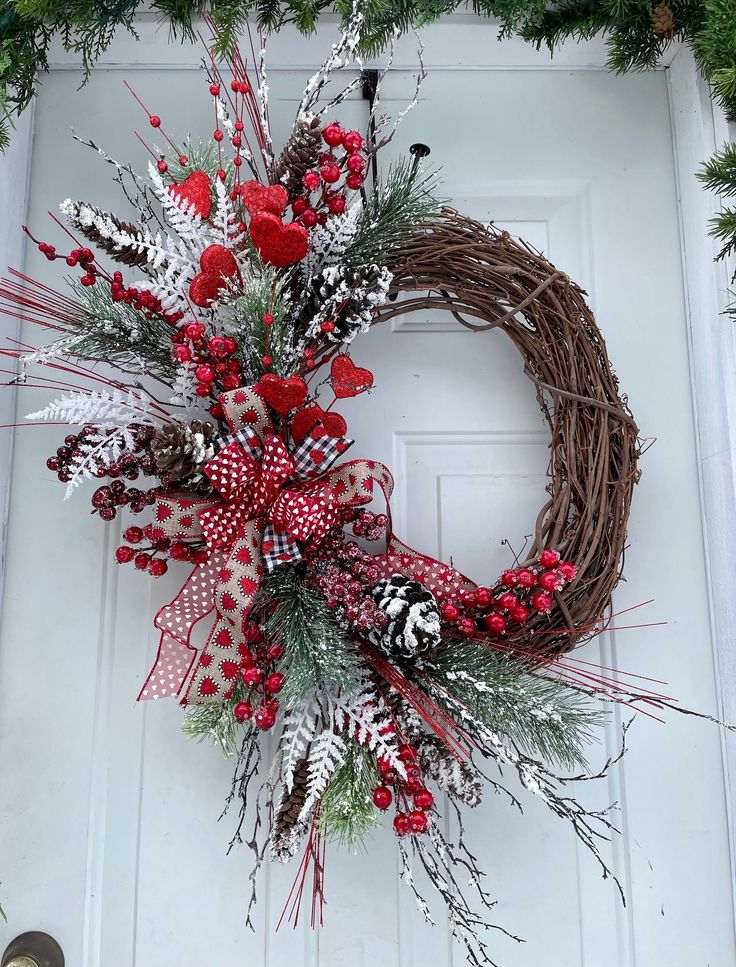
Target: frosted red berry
[
  {"x": 496, "y": 623},
  {"x": 543, "y": 602},
  {"x": 242, "y": 711},
  {"x": 333, "y": 134},
  {"x": 265, "y": 718},
  {"x": 124, "y": 554},
  {"x": 549, "y": 558},
  {"x": 252, "y": 675},
  {"x": 158, "y": 567},
  {"x": 423, "y": 799},
  {"x": 133, "y": 535},
  {"x": 275, "y": 682},
  {"x": 382, "y": 797}
]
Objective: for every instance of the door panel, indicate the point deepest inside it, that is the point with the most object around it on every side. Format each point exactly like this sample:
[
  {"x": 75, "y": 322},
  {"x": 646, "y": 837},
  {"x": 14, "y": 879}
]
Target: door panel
[{"x": 110, "y": 833}]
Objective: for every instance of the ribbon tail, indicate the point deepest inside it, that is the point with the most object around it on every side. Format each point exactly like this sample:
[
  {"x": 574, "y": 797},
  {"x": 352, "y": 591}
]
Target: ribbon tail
[
  {"x": 170, "y": 669},
  {"x": 238, "y": 581},
  {"x": 175, "y": 621}
]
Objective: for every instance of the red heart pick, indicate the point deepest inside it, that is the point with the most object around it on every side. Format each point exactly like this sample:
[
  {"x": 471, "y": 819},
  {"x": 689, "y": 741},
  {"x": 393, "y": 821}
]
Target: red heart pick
[
  {"x": 348, "y": 379},
  {"x": 279, "y": 245},
  {"x": 313, "y": 417},
  {"x": 263, "y": 198},
  {"x": 282, "y": 395},
  {"x": 195, "y": 190},
  {"x": 218, "y": 265}
]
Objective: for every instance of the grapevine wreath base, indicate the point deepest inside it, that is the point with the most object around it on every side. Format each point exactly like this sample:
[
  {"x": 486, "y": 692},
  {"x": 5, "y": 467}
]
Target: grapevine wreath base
[
  {"x": 488, "y": 280},
  {"x": 226, "y": 310}
]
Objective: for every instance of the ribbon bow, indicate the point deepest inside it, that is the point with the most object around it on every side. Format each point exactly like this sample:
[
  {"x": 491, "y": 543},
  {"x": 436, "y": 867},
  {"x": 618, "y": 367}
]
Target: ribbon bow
[{"x": 273, "y": 507}]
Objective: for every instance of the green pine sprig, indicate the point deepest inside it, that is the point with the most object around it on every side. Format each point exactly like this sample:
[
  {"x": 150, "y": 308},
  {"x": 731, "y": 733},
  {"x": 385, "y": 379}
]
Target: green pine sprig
[
  {"x": 392, "y": 215},
  {"x": 347, "y": 813},
  {"x": 541, "y": 715},
  {"x": 316, "y": 650}
]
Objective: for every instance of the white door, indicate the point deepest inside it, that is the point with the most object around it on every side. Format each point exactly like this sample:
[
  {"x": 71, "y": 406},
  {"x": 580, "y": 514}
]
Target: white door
[{"x": 109, "y": 830}]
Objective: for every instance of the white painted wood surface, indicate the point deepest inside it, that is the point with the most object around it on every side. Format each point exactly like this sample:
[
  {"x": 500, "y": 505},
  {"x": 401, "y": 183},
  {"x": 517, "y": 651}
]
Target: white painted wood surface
[{"x": 109, "y": 833}]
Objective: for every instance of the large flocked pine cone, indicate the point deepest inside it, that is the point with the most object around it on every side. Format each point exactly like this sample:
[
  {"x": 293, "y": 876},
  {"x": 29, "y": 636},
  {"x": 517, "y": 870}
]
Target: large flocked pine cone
[
  {"x": 181, "y": 451},
  {"x": 413, "y": 617}
]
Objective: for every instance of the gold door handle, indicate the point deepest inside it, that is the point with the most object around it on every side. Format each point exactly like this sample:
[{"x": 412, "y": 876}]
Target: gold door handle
[{"x": 33, "y": 949}]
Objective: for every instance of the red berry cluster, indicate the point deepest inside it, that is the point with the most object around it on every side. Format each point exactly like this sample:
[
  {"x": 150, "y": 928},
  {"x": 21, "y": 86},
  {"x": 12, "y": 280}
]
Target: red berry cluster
[
  {"x": 349, "y": 164},
  {"x": 370, "y": 526},
  {"x": 409, "y": 792},
  {"x": 107, "y": 500},
  {"x": 212, "y": 359},
  {"x": 153, "y": 558},
  {"x": 84, "y": 257},
  {"x": 519, "y": 593},
  {"x": 341, "y": 571},
  {"x": 258, "y": 675}
]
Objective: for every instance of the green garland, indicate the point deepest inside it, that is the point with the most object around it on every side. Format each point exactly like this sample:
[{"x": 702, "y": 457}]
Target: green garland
[{"x": 637, "y": 31}]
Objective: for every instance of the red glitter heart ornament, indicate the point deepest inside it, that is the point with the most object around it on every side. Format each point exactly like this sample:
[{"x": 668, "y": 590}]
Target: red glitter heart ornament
[
  {"x": 348, "y": 379},
  {"x": 195, "y": 190},
  {"x": 218, "y": 265},
  {"x": 282, "y": 395},
  {"x": 263, "y": 198},
  {"x": 278, "y": 244},
  {"x": 313, "y": 419}
]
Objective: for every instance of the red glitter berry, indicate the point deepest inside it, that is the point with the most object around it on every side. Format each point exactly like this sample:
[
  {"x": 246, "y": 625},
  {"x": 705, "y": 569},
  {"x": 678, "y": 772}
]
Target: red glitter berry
[
  {"x": 466, "y": 627},
  {"x": 265, "y": 718},
  {"x": 543, "y": 602},
  {"x": 352, "y": 141},
  {"x": 275, "y": 682},
  {"x": 242, "y": 711},
  {"x": 382, "y": 797},
  {"x": 142, "y": 561},
  {"x": 525, "y": 578},
  {"x": 567, "y": 571},
  {"x": 311, "y": 181},
  {"x": 550, "y": 581},
  {"x": 252, "y": 675},
  {"x": 496, "y": 623},
  {"x": 124, "y": 554},
  {"x": 333, "y": 134},
  {"x": 401, "y": 824},
  {"x": 450, "y": 612},
  {"x": 423, "y": 799},
  {"x": 509, "y": 578},
  {"x": 549, "y": 558},
  {"x": 158, "y": 567},
  {"x": 418, "y": 821},
  {"x": 133, "y": 535}
]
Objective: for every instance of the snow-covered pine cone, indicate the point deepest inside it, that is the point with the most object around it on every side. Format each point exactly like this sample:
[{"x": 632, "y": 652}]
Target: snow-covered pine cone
[
  {"x": 182, "y": 449},
  {"x": 301, "y": 153},
  {"x": 350, "y": 297},
  {"x": 413, "y": 617}
]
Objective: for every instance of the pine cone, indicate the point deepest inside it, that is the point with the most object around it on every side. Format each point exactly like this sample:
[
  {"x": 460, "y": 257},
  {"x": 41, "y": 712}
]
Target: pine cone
[
  {"x": 287, "y": 829},
  {"x": 301, "y": 153},
  {"x": 663, "y": 21},
  {"x": 350, "y": 298},
  {"x": 181, "y": 450},
  {"x": 414, "y": 619},
  {"x": 458, "y": 779},
  {"x": 128, "y": 256}
]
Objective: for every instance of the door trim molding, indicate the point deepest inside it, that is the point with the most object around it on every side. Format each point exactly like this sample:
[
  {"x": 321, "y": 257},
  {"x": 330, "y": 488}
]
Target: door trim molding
[{"x": 698, "y": 128}]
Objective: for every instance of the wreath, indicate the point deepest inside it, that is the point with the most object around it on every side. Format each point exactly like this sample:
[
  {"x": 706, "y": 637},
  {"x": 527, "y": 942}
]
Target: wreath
[{"x": 393, "y": 679}]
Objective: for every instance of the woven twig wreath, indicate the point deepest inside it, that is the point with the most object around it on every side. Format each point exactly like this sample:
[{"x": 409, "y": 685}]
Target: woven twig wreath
[{"x": 488, "y": 280}]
